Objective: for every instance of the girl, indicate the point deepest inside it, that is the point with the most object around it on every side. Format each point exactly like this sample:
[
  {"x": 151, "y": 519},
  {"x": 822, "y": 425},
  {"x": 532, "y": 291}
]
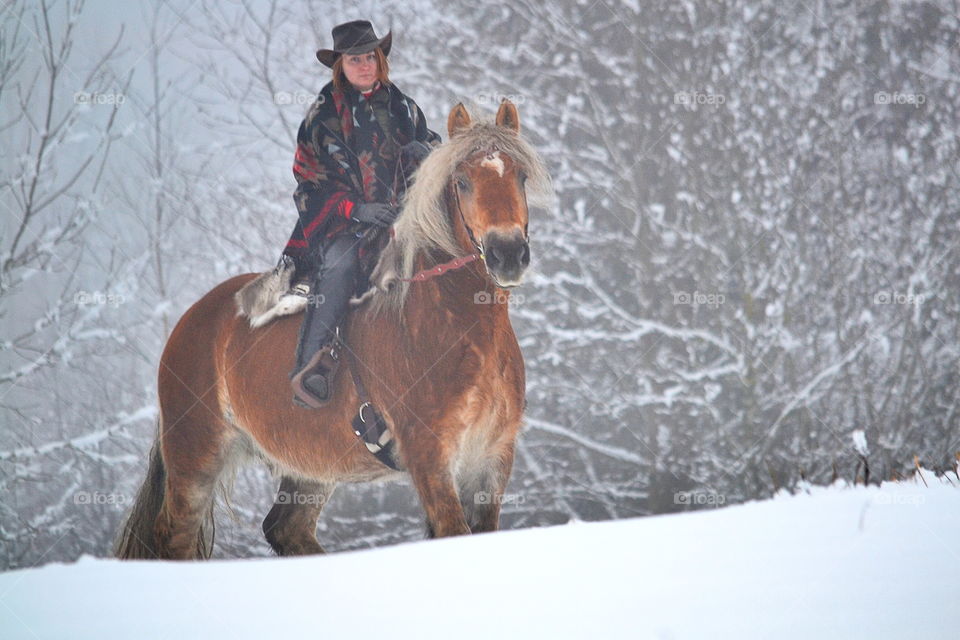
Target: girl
[{"x": 358, "y": 142}]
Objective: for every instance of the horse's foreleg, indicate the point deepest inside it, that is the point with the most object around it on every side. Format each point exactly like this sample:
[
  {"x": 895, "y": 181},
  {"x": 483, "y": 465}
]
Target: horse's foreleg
[
  {"x": 291, "y": 525},
  {"x": 435, "y": 485},
  {"x": 481, "y": 489}
]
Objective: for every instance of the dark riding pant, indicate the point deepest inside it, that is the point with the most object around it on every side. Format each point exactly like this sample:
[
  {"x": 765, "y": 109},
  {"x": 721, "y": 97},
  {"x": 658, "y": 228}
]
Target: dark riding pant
[{"x": 335, "y": 281}]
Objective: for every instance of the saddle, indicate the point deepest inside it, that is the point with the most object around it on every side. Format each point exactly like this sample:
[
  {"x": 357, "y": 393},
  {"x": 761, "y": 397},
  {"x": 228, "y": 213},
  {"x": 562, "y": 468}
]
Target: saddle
[{"x": 266, "y": 298}]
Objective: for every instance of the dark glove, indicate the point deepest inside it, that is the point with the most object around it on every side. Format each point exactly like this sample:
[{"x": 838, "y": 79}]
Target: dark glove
[
  {"x": 413, "y": 153},
  {"x": 377, "y": 213}
]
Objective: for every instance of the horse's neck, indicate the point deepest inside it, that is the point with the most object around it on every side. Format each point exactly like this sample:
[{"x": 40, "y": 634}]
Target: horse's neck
[{"x": 456, "y": 299}]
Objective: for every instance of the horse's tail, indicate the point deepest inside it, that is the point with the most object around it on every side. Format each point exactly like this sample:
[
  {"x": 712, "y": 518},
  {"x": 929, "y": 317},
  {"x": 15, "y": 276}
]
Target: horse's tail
[{"x": 137, "y": 540}]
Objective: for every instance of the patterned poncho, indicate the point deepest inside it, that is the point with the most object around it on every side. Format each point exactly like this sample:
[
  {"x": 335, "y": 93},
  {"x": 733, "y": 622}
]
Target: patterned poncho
[{"x": 348, "y": 150}]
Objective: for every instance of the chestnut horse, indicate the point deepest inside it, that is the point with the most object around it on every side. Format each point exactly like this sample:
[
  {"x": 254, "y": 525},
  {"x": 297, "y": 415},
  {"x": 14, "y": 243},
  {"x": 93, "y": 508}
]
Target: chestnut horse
[{"x": 438, "y": 358}]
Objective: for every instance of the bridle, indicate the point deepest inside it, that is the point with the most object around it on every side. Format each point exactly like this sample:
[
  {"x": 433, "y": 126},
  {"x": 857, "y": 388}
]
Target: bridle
[
  {"x": 456, "y": 263},
  {"x": 477, "y": 244},
  {"x": 473, "y": 239}
]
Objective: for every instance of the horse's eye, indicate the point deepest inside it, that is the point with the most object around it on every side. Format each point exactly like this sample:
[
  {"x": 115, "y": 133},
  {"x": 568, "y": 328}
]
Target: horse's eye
[
  {"x": 462, "y": 183},
  {"x": 523, "y": 178}
]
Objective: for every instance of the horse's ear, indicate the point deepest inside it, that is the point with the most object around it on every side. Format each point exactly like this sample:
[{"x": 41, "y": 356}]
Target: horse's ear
[
  {"x": 507, "y": 116},
  {"x": 458, "y": 119}
]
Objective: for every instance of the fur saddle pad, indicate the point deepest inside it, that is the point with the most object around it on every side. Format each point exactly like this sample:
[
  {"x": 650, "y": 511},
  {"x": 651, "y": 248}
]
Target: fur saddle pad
[{"x": 265, "y": 297}]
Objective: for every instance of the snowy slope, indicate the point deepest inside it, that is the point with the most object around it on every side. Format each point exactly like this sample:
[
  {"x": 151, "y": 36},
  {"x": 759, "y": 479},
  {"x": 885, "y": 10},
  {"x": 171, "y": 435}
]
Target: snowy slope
[{"x": 836, "y": 562}]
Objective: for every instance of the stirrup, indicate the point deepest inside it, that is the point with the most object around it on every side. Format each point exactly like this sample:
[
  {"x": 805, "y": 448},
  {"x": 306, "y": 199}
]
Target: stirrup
[{"x": 313, "y": 384}]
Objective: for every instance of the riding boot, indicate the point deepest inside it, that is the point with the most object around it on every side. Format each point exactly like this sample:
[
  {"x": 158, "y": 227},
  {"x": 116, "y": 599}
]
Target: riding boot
[{"x": 317, "y": 360}]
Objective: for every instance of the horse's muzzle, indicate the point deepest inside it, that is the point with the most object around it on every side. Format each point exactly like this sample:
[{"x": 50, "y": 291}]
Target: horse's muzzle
[{"x": 507, "y": 255}]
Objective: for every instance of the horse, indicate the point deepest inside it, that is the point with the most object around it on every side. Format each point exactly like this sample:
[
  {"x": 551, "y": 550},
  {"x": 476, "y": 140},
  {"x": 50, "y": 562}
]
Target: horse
[{"x": 438, "y": 356}]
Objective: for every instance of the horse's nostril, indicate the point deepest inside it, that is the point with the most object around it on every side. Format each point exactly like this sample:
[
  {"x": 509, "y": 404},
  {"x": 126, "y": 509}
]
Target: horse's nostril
[
  {"x": 525, "y": 255},
  {"x": 493, "y": 257}
]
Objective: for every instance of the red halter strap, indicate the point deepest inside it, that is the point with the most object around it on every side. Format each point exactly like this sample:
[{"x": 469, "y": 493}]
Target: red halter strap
[{"x": 440, "y": 269}]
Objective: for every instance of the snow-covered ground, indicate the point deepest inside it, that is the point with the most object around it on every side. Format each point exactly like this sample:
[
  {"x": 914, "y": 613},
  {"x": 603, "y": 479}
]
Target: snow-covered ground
[{"x": 835, "y": 562}]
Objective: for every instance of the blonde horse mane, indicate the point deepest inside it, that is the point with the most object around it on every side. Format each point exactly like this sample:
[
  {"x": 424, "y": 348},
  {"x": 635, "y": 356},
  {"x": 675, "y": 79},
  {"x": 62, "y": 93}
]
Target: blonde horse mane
[{"x": 424, "y": 222}]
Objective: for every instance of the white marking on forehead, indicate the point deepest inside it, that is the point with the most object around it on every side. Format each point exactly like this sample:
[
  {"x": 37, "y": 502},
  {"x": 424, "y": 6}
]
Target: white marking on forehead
[{"x": 493, "y": 161}]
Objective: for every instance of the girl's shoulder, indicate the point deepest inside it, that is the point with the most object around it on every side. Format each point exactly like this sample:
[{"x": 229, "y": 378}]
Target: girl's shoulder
[
  {"x": 329, "y": 94},
  {"x": 327, "y": 90},
  {"x": 324, "y": 113},
  {"x": 329, "y": 103}
]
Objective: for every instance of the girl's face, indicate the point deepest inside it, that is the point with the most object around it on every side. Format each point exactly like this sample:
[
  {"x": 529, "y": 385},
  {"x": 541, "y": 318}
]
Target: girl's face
[{"x": 361, "y": 70}]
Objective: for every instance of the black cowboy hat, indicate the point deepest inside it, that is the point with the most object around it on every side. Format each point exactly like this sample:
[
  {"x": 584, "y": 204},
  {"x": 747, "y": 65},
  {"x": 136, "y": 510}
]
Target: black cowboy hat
[{"x": 354, "y": 37}]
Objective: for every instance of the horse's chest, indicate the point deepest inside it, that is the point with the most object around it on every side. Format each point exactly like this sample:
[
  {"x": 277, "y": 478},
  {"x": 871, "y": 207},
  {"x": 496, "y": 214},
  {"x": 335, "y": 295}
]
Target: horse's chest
[{"x": 493, "y": 394}]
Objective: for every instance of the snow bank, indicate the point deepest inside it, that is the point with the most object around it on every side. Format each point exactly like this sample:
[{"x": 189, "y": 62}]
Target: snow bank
[{"x": 835, "y": 562}]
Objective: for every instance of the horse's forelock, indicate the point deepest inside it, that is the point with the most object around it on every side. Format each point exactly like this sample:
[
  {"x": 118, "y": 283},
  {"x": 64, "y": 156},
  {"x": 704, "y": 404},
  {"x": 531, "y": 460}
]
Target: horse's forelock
[{"x": 424, "y": 223}]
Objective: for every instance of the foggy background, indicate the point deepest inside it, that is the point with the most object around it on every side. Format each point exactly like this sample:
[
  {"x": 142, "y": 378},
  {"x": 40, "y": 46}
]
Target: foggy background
[{"x": 750, "y": 280}]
